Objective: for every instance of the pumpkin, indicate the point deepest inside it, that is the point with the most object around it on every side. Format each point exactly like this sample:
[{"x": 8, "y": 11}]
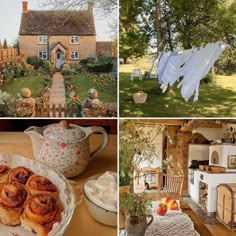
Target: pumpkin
[{"x": 25, "y": 93}]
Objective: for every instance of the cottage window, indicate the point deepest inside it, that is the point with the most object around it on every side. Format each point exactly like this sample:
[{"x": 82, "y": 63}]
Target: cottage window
[
  {"x": 74, "y": 55},
  {"x": 42, "y": 39},
  {"x": 43, "y": 55},
  {"x": 74, "y": 39}
]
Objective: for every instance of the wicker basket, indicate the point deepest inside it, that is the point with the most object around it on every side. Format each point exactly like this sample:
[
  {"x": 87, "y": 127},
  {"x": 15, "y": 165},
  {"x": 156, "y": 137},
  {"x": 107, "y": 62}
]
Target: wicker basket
[{"x": 140, "y": 97}]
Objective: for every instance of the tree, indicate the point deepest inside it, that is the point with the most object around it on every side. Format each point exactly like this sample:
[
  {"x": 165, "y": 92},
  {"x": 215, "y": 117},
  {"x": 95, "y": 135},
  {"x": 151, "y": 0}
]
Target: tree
[
  {"x": 0, "y": 44},
  {"x": 5, "y": 44},
  {"x": 16, "y": 44},
  {"x": 172, "y": 24},
  {"x": 133, "y": 39},
  {"x": 105, "y": 6}
]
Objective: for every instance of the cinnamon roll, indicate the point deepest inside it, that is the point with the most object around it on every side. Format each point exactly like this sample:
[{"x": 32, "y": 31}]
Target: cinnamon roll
[
  {"x": 12, "y": 199},
  {"x": 19, "y": 174},
  {"x": 41, "y": 211},
  {"x": 37, "y": 184},
  {"x": 4, "y": 173}
]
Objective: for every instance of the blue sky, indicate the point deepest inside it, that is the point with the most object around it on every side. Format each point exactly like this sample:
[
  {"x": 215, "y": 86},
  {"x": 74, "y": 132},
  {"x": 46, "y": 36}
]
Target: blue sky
[{"x": 10, "y": 16}]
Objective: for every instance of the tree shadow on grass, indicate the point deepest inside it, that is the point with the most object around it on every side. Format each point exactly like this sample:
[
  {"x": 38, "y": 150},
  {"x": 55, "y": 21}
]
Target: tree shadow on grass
[{"x": 214, "y": 101}]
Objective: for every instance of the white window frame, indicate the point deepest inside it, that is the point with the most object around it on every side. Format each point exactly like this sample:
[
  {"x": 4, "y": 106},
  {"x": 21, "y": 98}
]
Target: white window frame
[
  {"x": 74, "y": 40},
  {"x": 73, "y": 55},
  {"x": 43, "y": 39},
  {"x": 44, "y": 55}
]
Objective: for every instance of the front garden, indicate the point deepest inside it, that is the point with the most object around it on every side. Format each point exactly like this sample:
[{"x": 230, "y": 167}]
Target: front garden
[{"x": 37, "y": 76}]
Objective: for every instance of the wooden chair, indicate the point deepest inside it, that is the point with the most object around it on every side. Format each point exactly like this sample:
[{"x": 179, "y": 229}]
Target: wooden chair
[
  {"x": 136, "y": 73},
  {"x": 171, "y": 183}
]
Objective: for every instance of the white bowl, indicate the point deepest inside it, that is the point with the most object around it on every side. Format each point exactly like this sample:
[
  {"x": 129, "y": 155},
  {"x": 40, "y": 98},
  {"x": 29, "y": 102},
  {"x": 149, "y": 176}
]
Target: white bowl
[{"x": 100, "y": 214}]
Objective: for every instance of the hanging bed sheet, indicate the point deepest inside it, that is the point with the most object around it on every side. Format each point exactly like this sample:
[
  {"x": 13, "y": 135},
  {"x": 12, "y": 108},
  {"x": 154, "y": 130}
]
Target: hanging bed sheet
[{"x": 192, "y": 65}]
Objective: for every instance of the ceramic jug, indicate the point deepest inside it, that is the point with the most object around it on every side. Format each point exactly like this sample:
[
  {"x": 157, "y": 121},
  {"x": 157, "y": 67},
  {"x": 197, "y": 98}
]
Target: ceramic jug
[{"x": 65, "y": 146}]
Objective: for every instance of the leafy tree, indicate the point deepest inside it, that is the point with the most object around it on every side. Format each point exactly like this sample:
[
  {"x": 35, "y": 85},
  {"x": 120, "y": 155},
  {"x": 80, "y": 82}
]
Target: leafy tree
[
  {"x": 106, "y": 6},
  {"x": 5, "y": 44},
  {"x": 16, "y": 44}
]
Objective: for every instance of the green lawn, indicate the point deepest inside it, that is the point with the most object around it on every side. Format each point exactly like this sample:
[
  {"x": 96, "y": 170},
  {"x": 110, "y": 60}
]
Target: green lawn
[
  {"x": 15, "y": 86},
  {"x": 217, "y": 99},
  {"x": 106, "y": 86}
]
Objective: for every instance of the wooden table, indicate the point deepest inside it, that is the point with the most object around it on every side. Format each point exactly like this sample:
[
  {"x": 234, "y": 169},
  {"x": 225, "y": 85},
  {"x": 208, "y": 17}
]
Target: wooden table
[
  {"x": 198, "y": 224},
  {"x": 82, "y": 223}
]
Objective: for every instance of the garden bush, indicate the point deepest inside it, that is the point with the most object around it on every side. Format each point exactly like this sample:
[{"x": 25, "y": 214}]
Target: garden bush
[
  {"x": 11, "y": 70},
  {"x": 35, "y": 61},
  {"x": 65, "y": 72},
  {"x": 47, "y": 66},
  {"x": 100, "y": 67},
  {"x": 84, "y": 62}
]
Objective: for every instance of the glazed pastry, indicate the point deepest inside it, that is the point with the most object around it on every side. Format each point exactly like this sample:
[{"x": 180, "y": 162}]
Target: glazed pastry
[
  {"x": 12, "y": 199},
  {"x": 37, "y": 184},
  {"x": 19, "y": 174},
  {"x": 41, "y": 211},
  {"x": 4, "y": 173}
]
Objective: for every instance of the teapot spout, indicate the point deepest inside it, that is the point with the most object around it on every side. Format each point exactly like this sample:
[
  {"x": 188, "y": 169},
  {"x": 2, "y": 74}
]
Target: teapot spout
[{"x": 35, "y": 133}]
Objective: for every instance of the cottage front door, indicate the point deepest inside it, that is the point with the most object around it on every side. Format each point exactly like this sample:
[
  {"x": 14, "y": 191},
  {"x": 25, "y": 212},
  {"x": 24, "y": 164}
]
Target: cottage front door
[{"x": 59, "y": 59}]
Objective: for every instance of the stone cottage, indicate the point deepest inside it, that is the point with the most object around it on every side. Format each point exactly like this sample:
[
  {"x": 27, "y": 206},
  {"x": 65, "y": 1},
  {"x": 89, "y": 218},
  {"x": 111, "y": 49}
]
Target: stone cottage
[{"x": 57, "y": 35}]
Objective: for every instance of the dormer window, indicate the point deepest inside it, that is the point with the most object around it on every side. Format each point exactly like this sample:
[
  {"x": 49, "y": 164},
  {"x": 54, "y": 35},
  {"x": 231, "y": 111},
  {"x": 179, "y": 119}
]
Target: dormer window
[
  {"x": 42, "y": 39},
  {"x": 74, "y": 39}
]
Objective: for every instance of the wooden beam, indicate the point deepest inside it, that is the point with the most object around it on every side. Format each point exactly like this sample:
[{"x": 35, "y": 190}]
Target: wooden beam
[{"x": 178, "y": 122}]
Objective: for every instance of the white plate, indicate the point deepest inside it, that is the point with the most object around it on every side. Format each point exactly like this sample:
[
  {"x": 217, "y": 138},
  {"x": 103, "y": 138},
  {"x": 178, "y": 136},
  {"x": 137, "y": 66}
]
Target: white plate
[{"x": 66, "y": 194}]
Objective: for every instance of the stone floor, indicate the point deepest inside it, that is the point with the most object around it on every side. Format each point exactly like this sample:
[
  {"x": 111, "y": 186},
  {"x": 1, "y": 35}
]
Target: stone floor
[{"x": 214, "y": 225}]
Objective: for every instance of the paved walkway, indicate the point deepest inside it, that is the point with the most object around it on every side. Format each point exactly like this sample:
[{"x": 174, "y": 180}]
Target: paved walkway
[{"x": 57, "y": 91}]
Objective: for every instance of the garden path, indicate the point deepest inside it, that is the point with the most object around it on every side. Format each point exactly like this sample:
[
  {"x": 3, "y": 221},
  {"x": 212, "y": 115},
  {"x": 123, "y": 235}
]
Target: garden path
[{"x": 57, "y": 91}]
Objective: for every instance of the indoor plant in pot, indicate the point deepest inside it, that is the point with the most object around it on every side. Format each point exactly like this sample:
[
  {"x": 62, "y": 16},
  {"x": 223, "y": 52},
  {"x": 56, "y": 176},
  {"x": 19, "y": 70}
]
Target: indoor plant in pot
[{"x": 135, "y": 207}]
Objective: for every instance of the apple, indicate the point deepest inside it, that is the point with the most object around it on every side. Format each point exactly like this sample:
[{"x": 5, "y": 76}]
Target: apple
[
  {"x": 165, "y": 200},
  {"x": 172, "y": 205},
  {"x": 161, "y": 209}
]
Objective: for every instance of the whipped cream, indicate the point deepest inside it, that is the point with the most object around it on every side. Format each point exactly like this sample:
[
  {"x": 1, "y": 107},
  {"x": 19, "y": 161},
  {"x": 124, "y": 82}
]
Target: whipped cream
[{"x": 103, "y": 191}]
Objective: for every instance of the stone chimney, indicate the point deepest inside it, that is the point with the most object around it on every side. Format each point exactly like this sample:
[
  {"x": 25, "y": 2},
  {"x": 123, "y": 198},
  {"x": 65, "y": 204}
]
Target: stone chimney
[
  {"x": 90, "y": 6},
  {"x": 24, "y": 6}
]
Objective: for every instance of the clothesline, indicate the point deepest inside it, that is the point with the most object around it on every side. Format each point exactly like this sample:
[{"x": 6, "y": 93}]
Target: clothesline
[{"x": 192, "y": 65}]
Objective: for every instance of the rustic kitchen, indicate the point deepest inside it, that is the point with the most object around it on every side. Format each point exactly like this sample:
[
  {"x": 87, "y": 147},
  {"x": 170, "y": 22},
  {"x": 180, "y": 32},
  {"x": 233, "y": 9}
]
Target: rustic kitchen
[{"x": 200, "y": 151}]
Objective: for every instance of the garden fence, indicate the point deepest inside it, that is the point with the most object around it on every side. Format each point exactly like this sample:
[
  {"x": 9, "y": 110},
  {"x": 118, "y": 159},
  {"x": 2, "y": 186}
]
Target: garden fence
[
  {"x": 8, "y": 54},
  {"x": 57, "y": 110}
]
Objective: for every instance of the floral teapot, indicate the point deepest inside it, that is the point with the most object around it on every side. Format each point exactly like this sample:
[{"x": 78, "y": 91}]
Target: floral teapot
[{"x": 65, "y": 146}]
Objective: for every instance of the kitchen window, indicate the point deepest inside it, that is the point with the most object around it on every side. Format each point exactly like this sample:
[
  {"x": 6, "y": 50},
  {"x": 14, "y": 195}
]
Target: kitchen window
[
  {"x": 42, "y": 39},
  {"x": 74, "y": 39},
  {"x": 74, "y": 55},
  {"x": 43, "y": 55}
]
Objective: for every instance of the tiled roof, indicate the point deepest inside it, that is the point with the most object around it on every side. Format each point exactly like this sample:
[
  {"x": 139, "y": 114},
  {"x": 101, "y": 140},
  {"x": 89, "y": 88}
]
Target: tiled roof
[{"x": 57, "y": 22}]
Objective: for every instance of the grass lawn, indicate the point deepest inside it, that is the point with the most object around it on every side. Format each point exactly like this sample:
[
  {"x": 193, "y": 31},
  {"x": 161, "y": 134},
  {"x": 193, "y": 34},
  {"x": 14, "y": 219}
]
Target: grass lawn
[
  {"x": 217, "y": 99},
  {"x": 15, "y": 86},
  {"x": 106, "y": 86}
]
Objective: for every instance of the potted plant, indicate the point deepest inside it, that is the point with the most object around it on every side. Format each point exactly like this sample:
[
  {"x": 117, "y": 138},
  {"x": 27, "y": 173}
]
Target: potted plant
[{"x": 135, "y": 208}]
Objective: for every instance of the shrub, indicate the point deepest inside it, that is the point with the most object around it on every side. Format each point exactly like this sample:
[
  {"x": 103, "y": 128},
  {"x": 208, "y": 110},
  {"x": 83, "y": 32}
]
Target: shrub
[
  {"x": 66, "y": 66},
  {"x": 208, "y": 78},
  {"x": 100, "y": 68},
  {"x": 84, "y": 62},
  {"x": 11, "y": 70},
  {"x": 65, "y": 72},
  {"x": 35, "y": 61},
  {"x": 47, "y": 66}
]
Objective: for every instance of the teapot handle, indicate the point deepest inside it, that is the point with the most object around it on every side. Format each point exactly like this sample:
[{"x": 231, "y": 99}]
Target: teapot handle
[
  {"x": 94, "y": 130},
  {"x": 151, "y": 219}
]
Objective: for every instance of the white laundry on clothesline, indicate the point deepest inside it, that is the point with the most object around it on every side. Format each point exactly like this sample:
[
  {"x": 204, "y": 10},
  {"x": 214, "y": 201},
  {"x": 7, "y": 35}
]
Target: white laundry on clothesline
[{"x": 191, "y": 64}]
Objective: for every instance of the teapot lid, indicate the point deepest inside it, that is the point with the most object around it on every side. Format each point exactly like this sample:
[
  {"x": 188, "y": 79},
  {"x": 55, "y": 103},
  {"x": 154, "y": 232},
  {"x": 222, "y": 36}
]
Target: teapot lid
[{"x": 63, "y": 132}]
